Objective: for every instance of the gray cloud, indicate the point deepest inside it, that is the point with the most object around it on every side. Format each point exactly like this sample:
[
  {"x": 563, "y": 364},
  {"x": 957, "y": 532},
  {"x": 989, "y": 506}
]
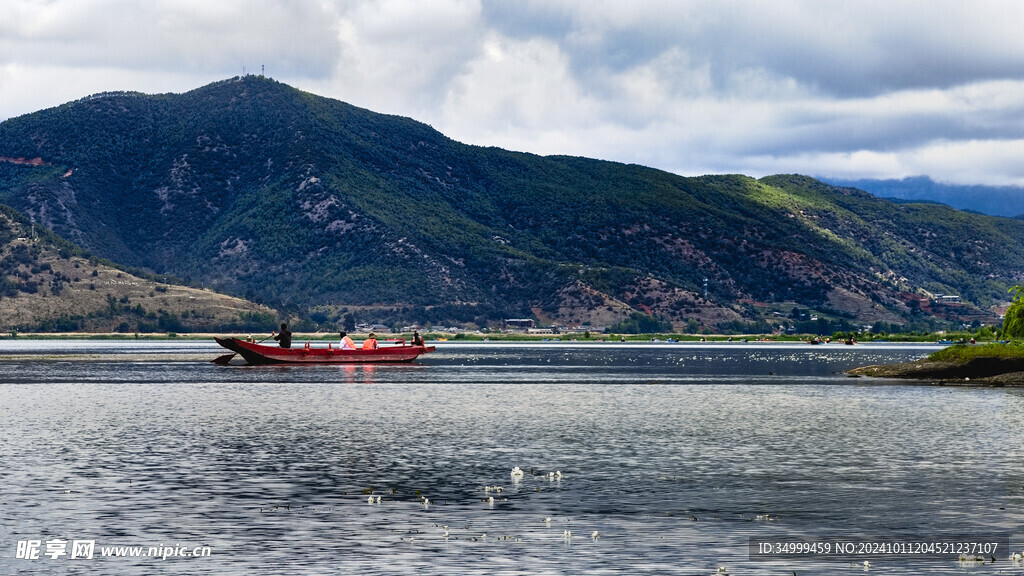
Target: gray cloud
[{"x": 839, "y": 48}]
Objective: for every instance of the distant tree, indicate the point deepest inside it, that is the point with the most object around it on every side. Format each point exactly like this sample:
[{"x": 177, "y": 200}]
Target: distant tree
[
  {"x": 914, "y": 306},
  {"x": 640, "y": 323},
  {"x": 350, "y": 322}
]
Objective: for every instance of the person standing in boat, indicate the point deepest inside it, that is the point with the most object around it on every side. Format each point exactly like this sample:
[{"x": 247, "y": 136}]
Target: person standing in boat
[
  {"x": 285, "y": 337},
  {"x": 417, "y": 340},
  {"x": 346, "y": 342},
  {"x": 371, "y": 342}
]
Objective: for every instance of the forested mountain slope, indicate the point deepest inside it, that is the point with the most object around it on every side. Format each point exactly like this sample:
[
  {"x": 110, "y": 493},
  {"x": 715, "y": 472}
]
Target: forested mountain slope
[{"x": 262, "y": 190}]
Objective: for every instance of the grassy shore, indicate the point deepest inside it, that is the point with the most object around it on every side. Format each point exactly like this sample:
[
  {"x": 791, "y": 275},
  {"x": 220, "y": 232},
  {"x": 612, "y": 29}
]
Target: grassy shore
[
  {"x": 961, "y": 353},
  {"x": 990, "y": 364}
]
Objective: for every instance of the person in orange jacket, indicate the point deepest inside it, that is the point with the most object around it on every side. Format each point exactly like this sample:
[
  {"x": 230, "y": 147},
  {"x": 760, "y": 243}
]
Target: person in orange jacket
[
  {"x": 346, "y": 342},
  {"x": 371, "y": 342}
]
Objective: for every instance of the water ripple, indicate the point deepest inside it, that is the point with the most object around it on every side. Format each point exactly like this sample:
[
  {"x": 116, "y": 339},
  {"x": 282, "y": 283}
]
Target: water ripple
[{"x": 675, "y": 456}]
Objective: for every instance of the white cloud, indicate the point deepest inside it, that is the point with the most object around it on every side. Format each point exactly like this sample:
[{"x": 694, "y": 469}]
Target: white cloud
[
  {"x": 511, "y": 84},
  {"x": 398, "y": 56},
  {"x": 170, "y": 35}
]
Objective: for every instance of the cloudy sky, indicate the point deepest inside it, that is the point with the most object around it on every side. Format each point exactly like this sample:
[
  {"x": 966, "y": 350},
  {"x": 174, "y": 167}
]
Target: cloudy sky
[{"x": 873, "y": 89}]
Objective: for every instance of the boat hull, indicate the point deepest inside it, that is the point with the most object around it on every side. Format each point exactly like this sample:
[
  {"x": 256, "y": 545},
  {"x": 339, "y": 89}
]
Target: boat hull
[{"x": 258, "y": 354}]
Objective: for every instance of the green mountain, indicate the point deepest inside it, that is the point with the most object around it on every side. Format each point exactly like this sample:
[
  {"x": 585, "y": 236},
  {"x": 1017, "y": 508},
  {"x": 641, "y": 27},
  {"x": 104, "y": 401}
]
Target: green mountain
[
  {"x": 48, "y": 284},
  {"x": 255, "y": 188}
]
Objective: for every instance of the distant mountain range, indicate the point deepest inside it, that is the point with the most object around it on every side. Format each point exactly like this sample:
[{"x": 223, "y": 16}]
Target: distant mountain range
[
  {"x": 317, "y": 207},
  {"x": 993, "y": 200}
]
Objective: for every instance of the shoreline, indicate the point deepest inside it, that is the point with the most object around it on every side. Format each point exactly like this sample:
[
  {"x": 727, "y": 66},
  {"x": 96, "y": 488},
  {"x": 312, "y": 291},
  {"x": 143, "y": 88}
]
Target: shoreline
[
  {"x": 979, "y": 371},
  {"x": 466, "y": 337}
]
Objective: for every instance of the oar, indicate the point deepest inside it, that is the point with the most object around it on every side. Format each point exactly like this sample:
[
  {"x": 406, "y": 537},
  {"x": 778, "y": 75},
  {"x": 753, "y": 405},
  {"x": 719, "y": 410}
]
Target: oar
[{"x": 226, "y": 359}]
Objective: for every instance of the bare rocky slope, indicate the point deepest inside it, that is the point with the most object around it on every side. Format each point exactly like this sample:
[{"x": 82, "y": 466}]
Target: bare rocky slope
[{"x": 47, "y": 284}]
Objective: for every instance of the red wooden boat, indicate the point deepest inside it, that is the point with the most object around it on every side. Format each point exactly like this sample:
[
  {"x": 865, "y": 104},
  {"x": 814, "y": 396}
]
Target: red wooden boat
[{"x": 257, "y": 354}]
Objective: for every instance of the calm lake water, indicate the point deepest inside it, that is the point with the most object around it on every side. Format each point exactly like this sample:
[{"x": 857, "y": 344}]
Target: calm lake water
[{"x": 674, "y": 454}]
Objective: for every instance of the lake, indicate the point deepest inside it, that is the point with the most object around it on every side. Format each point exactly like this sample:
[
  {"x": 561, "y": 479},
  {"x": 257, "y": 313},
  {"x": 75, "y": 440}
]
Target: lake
[{"x": 675, "y": 455}]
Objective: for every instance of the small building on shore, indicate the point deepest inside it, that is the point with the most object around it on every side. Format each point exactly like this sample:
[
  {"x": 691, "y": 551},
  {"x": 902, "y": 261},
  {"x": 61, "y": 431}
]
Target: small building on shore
[{"x": 517, "y": 323}]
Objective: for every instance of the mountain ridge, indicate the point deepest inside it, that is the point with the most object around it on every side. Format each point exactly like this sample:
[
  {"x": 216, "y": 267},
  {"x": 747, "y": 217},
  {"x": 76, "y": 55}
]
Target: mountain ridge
[{"x": 307, "y": 203}]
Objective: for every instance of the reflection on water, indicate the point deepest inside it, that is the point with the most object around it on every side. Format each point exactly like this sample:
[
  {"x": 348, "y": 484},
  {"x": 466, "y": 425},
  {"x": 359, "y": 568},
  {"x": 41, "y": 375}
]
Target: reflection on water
[{"x": 668, "y": 452}]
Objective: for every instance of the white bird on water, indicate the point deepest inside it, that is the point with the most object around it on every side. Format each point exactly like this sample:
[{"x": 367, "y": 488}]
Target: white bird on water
[
  {"x": 566, "y": 534},
  {"x": 595, "y": 535},
  {"x": 516, "y": 474},
  {"x": 490, "y": 501}
]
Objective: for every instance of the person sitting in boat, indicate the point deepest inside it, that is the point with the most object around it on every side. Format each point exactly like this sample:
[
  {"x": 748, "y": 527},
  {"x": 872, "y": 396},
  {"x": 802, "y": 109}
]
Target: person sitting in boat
[
  {"x": 285, "y": 337},
  {"x": 371, "y": 342},
  {"x": 346, "y": 342},
  {"x": 417, "y": 340}
]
